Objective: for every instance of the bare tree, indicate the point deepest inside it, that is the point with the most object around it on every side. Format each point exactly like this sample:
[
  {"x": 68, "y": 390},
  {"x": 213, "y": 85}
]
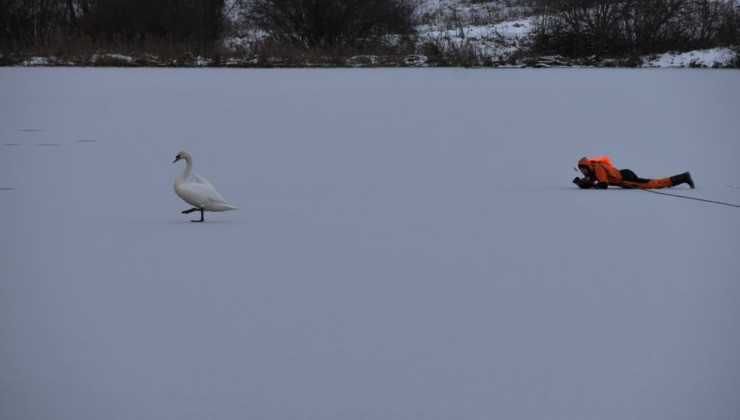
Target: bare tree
[
  {"x": 331, "y": 23},
  {"x": 33, "y": 22},
  {"x": 588, "y": 27}
]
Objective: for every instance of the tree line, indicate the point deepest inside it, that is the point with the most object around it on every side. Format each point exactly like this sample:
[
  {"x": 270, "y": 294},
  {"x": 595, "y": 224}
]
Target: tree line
[
  {"x": 574, "y": 28},
  {"x": 307, "y": 23},
  {"x": 617, "y": 28},
  {"x": 28, "y": 23}
]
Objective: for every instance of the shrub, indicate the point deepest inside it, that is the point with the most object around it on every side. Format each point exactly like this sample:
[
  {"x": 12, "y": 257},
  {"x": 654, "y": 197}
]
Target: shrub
[
  {"x": 607, "y": 27},
  {"x": 331, "y": 23},
  {"x": 25, "y": 23}
]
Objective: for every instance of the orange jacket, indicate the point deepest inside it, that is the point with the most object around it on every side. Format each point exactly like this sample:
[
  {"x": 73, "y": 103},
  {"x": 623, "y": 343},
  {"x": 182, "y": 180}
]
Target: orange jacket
[{"x": 602, "y": 170}]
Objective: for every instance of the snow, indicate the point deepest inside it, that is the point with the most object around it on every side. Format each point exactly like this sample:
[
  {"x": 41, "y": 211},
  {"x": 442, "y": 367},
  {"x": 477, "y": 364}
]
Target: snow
[
  {"x": 498, "y": 30},
  {"x": 714, "y": 57},
  {"x": 408, "y": 245},
  {"x": 101, "y": 58},
  {"x": 497, "y": 40},
  {"x": 37, "y": 61}
]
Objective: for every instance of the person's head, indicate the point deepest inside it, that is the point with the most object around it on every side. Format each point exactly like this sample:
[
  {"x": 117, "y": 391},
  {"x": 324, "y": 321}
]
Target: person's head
[{"x": 585, "y": 166}]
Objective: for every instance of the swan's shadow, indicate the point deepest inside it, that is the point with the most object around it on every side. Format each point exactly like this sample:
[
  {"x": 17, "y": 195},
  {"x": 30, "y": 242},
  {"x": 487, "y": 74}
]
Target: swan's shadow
[{"x": 187, "y": 221}]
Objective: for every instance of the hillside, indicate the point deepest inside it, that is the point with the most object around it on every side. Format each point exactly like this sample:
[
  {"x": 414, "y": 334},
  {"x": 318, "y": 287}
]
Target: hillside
[
  {"x": 497, "y": 32},
  {"x": 470, "y": 33}
]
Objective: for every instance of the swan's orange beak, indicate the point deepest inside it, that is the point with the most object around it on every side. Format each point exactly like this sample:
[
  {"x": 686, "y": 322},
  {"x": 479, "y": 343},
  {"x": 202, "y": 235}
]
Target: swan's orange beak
[{"x": 176, "y": 158}]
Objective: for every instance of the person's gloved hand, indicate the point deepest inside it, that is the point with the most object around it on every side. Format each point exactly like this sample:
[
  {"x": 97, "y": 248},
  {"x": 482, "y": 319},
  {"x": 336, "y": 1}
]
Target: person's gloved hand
[{"x": 581, "y": 182}]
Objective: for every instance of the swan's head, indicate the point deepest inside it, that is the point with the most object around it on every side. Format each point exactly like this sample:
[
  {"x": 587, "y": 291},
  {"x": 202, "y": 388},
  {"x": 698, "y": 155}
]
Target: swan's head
[{"x": 182, "y": 155}]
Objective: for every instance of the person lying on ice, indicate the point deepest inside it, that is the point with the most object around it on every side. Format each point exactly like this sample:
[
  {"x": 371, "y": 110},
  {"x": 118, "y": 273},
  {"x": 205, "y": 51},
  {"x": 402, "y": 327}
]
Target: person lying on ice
[{"x": 599, "y": 173}]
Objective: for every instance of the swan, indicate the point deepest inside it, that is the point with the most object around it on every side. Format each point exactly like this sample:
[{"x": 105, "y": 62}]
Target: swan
[{"x": 201, "y": 194}]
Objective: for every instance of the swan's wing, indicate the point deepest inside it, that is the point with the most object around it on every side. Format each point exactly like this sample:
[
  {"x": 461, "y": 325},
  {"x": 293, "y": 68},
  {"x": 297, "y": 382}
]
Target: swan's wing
[
  {"x": 203, "y": 195},
  {"x": 200, "y": 180}
]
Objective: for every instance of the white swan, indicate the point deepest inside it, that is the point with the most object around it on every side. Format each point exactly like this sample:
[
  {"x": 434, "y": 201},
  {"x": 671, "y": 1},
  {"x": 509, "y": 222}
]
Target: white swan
[{"x": 199, "y": 194}]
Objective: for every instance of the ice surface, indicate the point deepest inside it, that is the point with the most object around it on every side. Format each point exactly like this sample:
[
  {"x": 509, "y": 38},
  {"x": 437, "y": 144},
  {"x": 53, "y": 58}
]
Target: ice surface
[{"x": 408, "y": 245}]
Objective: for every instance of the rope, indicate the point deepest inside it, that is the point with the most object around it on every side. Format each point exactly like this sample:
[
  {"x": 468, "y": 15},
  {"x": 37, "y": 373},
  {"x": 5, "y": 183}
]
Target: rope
[
  {"x": 676, "y": 195},
  {"x": 690, "y": 198}
]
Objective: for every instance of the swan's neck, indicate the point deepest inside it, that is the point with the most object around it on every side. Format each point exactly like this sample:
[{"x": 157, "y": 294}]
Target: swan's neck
[{"x": 185, "y": 173}]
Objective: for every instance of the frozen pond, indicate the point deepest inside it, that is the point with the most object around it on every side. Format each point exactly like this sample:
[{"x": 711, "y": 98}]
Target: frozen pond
[{"x": 408, "y": 245}]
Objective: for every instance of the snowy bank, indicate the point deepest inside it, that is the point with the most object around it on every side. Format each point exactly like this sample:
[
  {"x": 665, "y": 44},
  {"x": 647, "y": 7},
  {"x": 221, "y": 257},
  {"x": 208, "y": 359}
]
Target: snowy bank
[{"x": 711, "y": 58}]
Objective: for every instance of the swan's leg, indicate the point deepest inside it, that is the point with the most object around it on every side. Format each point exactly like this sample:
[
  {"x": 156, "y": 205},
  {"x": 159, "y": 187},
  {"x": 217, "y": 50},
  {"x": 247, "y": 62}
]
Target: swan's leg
[
  {"x": 190, "y": 210},
  {"x": 201, "y": 216}
]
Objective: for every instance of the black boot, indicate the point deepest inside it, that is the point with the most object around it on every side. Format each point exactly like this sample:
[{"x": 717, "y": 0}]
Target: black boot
[{"x": 684, "y": 178}]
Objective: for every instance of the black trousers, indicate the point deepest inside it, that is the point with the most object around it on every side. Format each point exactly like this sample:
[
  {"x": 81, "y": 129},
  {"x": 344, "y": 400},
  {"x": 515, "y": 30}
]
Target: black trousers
[{"x": 628, "y": 175}]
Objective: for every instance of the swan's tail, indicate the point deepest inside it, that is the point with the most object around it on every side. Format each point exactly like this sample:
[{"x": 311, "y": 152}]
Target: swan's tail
[{"x": 220, "y": 207}]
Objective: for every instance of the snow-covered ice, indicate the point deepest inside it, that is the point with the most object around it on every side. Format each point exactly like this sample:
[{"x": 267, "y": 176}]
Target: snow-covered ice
[{"x": 408, "y": 245}]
